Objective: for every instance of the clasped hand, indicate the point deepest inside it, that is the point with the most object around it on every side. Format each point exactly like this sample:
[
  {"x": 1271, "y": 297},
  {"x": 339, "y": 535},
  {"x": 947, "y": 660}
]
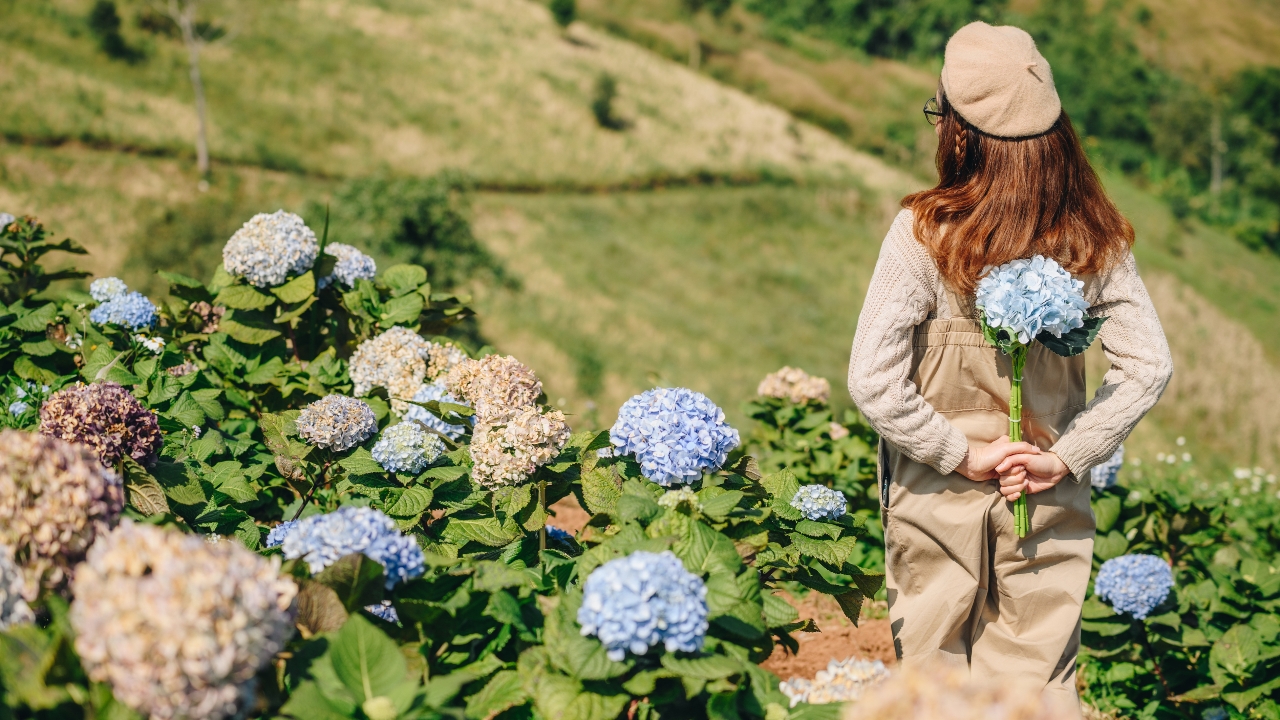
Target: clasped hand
[{"x": 1020, "y": 467}]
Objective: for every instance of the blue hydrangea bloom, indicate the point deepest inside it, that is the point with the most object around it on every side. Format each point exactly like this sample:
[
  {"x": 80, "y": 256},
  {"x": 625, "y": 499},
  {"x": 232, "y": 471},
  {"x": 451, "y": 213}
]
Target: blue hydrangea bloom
[
  {"x": 407, "y": 448},
  {"x": 1104, "y": 475},
  {"x": 322, "y": 539},
  {"x": 17, "y": 407},
  {"x": 819, "y": 503},
  {"x": 1027, "y": 297},
  {"x": 278, "y": 533},
  {"x": 384, "y": 610},
  {"x": 555, "y": 534},
  {"x": 6, "y": 220},
  {"x": 352, "y": 265},
  {"x": 108, "y": 288},
  {"x": 132, "y": 310},
  {"x": 437, "y": 392},
  {"x": 642, "y": 600},
  {"x": 1134, "y": 584},
  {"x": 674, "y": 433}
]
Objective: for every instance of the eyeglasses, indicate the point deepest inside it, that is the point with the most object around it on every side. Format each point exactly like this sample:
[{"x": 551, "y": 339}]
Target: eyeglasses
[{"x": 932, "y": 113}]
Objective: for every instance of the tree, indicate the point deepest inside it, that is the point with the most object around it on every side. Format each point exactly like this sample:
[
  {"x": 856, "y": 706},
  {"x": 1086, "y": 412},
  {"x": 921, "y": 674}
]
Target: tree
[{"x": 183, "y": 14}]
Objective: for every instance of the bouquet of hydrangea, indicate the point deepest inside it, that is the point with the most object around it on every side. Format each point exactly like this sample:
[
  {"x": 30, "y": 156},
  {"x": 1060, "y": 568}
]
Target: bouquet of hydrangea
[{"x": 1032, "y": 300}]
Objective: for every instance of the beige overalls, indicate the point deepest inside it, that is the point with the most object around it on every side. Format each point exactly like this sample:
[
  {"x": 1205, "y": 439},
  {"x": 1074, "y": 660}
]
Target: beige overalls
[{"x": 962, "y": 587}]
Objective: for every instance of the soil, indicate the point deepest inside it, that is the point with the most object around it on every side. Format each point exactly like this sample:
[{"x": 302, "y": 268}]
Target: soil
[{"x": 838, "y": 638}]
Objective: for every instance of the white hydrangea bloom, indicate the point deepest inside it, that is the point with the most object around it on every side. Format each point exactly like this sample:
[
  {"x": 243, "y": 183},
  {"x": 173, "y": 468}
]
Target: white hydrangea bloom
[
  {"x": 352, "y": 265},
  {"x": 497, "y": 386},
  {"x": 270, "y": 248},
  {"x": 337, "y": 422},
  {"x": 107, "y": 288},
  {"x": 176, "y": 625},
  {"x": 407, "y": 448},
  {"x": 685, "y": 495}
]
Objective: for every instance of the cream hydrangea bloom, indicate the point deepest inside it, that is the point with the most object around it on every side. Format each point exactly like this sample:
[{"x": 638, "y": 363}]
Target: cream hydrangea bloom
[
  {"x": 176, "y": 625},
  {"x": 506, "y": 453},
  {"x": 795, "y": 385},
  {"x": 497, "y": 386}
]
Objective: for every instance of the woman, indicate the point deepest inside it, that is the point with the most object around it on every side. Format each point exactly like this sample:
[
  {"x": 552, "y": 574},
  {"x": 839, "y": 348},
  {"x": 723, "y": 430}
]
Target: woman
[{"x": 1013, "y": 183}]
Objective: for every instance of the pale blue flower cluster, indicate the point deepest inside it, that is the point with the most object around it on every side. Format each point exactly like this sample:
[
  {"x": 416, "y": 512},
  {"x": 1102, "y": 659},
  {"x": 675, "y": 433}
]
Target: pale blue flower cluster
[
  {"x": 132, "y": 310},
  {"x": 322, "y": 539},
  {"x": 107, "y": 288},
  {"x": 352, "y": 265},
  {"x": 642, "y": 600},
  {"x": 817, "y": 502},
  {"x": 437, "y": 392},
  {"x": 1027, "y": 297},
  {"x": 674, "y": 433},
  {"x": 6, "y": 220},
  {"x": 17, "y": 407},
  {"x": 1104, "y": 475},
  {"x": 1134, "y": 584},
  {"x": 280, "y": 532},
  {"x": 407, "y": 448}
]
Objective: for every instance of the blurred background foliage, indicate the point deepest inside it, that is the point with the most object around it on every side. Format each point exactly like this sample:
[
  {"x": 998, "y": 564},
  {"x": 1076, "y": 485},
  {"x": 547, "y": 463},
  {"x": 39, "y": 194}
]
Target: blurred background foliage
[{"x": 654, "y": 191}]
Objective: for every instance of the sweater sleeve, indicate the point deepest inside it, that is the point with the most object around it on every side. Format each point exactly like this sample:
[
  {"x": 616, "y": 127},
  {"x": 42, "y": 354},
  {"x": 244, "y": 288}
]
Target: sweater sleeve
[
  {"x": 1141, "y": 367},
  {"x": 901, "y": 294}
]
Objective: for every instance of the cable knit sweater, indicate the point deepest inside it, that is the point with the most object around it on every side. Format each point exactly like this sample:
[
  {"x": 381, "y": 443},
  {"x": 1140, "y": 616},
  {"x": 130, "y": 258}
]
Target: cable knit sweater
[{"x": 907, "y": 289}]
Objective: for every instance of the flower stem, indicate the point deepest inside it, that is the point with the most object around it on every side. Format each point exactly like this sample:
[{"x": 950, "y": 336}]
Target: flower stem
[
  {"x": 542, "y": 502},
  {"x": 1021, "y": 520}
]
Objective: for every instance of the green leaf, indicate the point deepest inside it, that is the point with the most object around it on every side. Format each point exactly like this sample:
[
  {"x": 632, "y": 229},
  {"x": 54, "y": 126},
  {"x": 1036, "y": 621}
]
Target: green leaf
[
  {"x": 1237, "y": 651},
  {"x": 832, "y": 552},
  {"x": 319, "y": 608},
  {"x": 777, "y": 611},
  {"x": 851, "y": 605},
  {"x": 356, "y": 579},
  {"x": 721, "y": 505},
  {"x": 1107, "y": 510},
  {"x": 562, "y": 698},
  {"x": 404, "y": 309},
  {"x": 818, "y": 529},
  {"x": 247, "y": 334},
  {"x": 601, "y": 490},
  {"x": 1074, "y": 342},
  {"x": 403, "y": 279},
  {"x": 27, "y": 369},
  {"x": 412, "y": 502},
  {"x": 297, "y": 289},
  {"x": 42, "y": 348},
  {"x": 1111, "y": 545},
  {"x": 368, "y": 662},
  {"x": 307, "y": 702},
  {"x": 487, "y": 531},
  {"x": 242, "y": 297},
  {"x": 37, "y": 319},
  {"x": 637, "y": 507},
  {"x": 207, "y": 399},
  {"x": 361, "y": 462},
  {"x": 504, "y": 690},
  {"x": 186, "y": 410},
  {"x": 705, "y": 551},
  {"x": 711, "y": 667},
  {"x": 178, "y": 485},
  {"x": 145, "y": 493}
]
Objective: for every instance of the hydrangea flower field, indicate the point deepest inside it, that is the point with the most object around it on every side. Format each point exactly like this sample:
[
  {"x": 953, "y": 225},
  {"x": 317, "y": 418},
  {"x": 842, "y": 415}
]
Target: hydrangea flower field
[{"x": 291, "y": 491}]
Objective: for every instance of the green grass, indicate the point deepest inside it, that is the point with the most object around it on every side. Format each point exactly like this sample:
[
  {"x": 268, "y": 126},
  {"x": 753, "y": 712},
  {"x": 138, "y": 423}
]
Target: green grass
[{"x": 351, "y": 88}]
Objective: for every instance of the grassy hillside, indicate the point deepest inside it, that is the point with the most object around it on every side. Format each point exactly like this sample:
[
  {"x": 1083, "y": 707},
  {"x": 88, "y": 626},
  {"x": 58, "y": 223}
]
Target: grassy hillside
[
  {"x": 348, "y": 88},
  {"x": 708, "y": 286}
]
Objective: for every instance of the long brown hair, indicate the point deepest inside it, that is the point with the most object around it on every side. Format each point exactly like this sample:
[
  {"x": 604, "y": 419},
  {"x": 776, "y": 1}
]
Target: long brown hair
[{"x": 999, "y": 200}]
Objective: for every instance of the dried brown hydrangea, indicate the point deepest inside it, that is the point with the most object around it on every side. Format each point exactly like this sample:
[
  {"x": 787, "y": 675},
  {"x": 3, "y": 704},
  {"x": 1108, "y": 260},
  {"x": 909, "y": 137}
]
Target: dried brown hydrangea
[
  {"x": 176, "y": 625},
  {"x": 508, "y": 452},
  {"x": 795, "y": 385},
  {"x": 497, "y": 386},
  {"x": 210, "y": 315},
  {"x": 106, "y": 418},
  {"x": 55, "y": 499}
]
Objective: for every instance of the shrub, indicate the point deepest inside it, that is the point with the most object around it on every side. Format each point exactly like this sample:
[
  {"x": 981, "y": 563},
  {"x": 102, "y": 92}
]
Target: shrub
[{"x": 412, "y": 523}]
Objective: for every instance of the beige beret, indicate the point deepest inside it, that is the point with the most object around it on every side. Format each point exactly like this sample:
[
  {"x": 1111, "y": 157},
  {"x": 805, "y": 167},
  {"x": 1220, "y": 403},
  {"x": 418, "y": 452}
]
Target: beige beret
[{"x": 998, "y": 81}]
